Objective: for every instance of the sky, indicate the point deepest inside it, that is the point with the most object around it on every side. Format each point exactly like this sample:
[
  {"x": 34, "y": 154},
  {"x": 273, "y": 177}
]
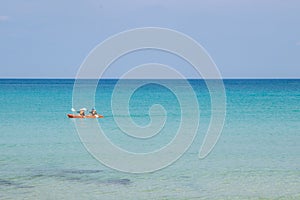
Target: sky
[{"x": 245, "y": 38}]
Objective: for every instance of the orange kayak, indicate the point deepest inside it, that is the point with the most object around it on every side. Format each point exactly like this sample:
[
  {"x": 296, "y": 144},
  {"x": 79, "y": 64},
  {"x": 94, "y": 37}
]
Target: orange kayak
[{"x": 87, "y": 116}]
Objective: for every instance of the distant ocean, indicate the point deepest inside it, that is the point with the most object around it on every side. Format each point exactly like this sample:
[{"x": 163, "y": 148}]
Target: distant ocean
[{"x": 256, "y": 157}]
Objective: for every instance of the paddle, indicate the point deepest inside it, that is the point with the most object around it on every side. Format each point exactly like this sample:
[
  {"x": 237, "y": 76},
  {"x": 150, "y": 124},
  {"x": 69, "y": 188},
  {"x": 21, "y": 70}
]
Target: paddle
[{"x": 73, "y": 110}]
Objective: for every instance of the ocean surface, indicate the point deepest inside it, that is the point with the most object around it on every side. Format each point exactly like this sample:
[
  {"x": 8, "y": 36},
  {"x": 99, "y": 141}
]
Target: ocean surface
[{"x": 257, "y": 155}]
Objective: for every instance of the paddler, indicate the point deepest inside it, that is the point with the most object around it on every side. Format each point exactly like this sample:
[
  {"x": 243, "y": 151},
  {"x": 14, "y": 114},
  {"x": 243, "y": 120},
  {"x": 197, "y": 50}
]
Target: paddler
[
  {"x": 81, "y": 112},
  {"x": 93, "y": 112}
]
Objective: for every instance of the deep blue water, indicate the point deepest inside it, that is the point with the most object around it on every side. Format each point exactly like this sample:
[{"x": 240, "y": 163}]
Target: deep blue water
[{"x": 256, "y": 157}]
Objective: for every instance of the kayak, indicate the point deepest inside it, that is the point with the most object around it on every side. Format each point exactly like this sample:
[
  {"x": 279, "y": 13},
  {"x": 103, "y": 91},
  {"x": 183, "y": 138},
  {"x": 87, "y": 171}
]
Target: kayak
[{"x": 87, "y": 116}]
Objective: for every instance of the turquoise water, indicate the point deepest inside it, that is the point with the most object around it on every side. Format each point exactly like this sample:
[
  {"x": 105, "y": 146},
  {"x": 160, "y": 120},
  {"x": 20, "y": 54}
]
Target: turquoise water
[{"x": 256, "y": 157}]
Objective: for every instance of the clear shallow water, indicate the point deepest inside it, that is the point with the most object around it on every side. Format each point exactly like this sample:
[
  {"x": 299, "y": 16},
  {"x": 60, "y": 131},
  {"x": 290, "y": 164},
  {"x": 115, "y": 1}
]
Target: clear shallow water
[{"x": 257, "y": 156}]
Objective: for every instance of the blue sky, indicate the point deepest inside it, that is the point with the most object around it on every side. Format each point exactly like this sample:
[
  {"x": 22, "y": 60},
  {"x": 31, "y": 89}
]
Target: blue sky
[{"x": 247, "y": 38}]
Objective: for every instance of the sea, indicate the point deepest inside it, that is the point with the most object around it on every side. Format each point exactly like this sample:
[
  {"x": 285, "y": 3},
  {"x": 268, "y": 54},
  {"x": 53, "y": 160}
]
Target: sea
[{"x": 42, "y": 155}]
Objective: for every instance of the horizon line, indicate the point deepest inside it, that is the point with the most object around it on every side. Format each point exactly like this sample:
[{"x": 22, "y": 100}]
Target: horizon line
[{"x": 115, "y": 78}]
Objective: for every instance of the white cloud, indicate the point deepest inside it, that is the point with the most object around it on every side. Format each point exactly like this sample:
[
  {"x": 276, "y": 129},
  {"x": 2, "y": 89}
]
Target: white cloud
[{"x": 3, "y": 18}]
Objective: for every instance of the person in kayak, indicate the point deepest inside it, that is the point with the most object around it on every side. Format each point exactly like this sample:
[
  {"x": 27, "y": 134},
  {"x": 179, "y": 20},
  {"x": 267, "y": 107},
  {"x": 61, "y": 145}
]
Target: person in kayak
[
  {"x": 93, "y": 112},
  {"x": 81, "y": 112}
]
